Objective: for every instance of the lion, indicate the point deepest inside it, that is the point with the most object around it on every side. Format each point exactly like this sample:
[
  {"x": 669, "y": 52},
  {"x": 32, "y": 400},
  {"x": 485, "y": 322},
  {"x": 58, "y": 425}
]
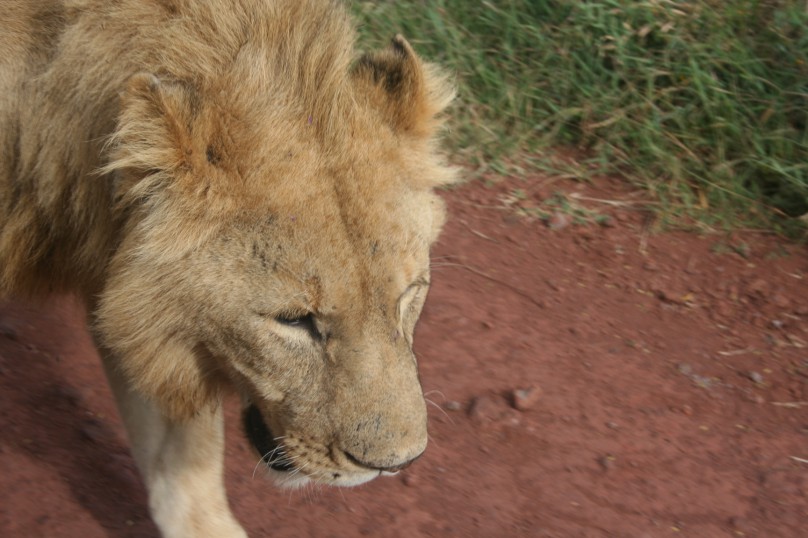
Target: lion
[{"x": 246, "y": 206}]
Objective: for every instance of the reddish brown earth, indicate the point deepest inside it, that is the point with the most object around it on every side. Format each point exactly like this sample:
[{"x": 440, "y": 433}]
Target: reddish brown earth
[{"x": 667, "y": 381}]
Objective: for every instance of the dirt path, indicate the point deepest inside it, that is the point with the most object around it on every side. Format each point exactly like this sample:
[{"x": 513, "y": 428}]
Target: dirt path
[{"x": 669, "y": 378}]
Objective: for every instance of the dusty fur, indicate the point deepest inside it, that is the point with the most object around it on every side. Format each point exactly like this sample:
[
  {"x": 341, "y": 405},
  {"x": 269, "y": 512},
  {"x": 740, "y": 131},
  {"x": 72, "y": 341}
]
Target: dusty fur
[
  {"x": 227, "y": 82},
  {"x": 245, "y": 204}
]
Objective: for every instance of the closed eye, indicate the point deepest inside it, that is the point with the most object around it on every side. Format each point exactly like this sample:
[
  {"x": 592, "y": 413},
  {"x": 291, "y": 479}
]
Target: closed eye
[
  {"x": 304, "y": 323},
  {"x": 411, "y": 297}
]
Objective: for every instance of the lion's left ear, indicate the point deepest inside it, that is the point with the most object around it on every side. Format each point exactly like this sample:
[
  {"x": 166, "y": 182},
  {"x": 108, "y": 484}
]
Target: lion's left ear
[
  {"x": 153, "y": 131},
  {"x": 409, "y": 93}
]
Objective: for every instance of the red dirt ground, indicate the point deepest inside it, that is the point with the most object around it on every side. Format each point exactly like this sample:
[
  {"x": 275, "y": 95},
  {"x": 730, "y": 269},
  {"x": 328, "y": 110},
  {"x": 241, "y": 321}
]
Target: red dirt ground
[{"x": 669, "y": 379}]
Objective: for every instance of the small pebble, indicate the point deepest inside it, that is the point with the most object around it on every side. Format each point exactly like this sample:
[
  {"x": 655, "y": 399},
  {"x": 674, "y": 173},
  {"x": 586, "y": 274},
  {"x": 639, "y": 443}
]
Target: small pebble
[
  {"x": 685, "y": 369},
  {"x": 607, "y": 222},
  {"x": 650, "y": 266},
  {"x": 483, "y": 409},
  {"x": 558, "y": 221},
  {"x": 453, "y": 405},
  {"x": 756, "y": 377},
  {"x": 607, "y": 462},
  {"x": 524, "y": 399}
]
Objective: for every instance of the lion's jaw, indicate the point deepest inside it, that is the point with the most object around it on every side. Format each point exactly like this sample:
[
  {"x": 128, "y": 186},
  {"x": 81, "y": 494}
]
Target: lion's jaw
[{"x": 285, "y": 474}]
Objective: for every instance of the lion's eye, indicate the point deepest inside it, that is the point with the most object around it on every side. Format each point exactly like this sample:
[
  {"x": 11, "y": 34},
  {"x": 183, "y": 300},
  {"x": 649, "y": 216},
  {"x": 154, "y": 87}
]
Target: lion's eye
[
  {"x": 411, "y": 301},
  {"x": 305, "y": 322}
]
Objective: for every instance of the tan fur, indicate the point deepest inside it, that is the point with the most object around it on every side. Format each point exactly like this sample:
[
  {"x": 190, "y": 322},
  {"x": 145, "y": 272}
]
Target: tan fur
[{"x": 199, "y": 171}]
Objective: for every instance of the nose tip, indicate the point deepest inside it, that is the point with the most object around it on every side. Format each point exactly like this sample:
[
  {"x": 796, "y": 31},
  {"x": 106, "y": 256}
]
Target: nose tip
[{"x": 379, "y": 467}]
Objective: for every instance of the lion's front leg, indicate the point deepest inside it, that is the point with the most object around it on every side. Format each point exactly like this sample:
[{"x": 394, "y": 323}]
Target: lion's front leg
[{"x": 182, "y": 464}]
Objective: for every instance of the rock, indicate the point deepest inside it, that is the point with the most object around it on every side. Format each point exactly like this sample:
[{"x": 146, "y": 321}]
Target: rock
[
  {"x": 607, "y": 221},
  {"x": 524, "y": 399},
  {"x": 558, "y": 221},
  {"x": 409, "y": 480},
  {"x": 453, "y": 405},
  {"x": 483, "y": 409},
  {"x": 755, "y": 377},
  {"x": 607, "y": 462},
  {"x": 554, "y": 285},
  {"x": 758, "y": 288},
  {"x": 684, "y": 368}
]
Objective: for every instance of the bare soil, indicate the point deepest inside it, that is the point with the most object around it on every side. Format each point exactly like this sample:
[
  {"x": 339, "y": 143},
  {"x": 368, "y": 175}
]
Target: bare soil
[{"x": 590, "y": 378}]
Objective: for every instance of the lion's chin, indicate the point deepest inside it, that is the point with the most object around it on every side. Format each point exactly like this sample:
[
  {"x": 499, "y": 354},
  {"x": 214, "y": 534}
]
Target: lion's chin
[
  {"x": 282, "y": 470},
  {"x": 264, "y": 442}
]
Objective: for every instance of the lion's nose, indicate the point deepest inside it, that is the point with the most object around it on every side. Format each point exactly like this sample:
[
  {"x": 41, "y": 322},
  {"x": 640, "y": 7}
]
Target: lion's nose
[{"x": 381, "y": 467}]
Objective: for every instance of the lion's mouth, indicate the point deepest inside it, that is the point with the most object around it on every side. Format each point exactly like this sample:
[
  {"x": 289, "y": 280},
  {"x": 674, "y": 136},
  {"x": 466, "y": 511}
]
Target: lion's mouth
[{"x": 264, "y": 442}]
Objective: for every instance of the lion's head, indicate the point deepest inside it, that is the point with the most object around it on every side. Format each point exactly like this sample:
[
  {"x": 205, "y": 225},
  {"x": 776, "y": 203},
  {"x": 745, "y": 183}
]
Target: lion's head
[{"x": 277, "y": 242}]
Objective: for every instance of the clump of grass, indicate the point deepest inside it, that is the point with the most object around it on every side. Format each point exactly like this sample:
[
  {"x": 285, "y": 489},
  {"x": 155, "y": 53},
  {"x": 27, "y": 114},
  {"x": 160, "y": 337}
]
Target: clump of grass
[{"x": 704, "y": 102}]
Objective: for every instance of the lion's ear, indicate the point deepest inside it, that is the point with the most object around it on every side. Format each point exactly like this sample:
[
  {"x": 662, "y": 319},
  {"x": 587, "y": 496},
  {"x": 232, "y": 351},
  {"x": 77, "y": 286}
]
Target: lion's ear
[
  {"x": 153, "y": 132},
  {"x": 409, "y": 93}
]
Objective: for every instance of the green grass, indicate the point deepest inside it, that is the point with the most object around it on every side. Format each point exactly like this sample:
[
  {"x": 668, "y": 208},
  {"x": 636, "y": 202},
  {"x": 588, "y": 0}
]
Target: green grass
[{"x": 703, "y": 102}]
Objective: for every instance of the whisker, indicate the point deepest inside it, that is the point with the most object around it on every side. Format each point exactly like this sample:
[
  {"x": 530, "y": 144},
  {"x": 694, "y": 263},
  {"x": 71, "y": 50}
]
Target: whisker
[
  {"x": 266, "y": 459},
  {"x": 451, "y": 420}
]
